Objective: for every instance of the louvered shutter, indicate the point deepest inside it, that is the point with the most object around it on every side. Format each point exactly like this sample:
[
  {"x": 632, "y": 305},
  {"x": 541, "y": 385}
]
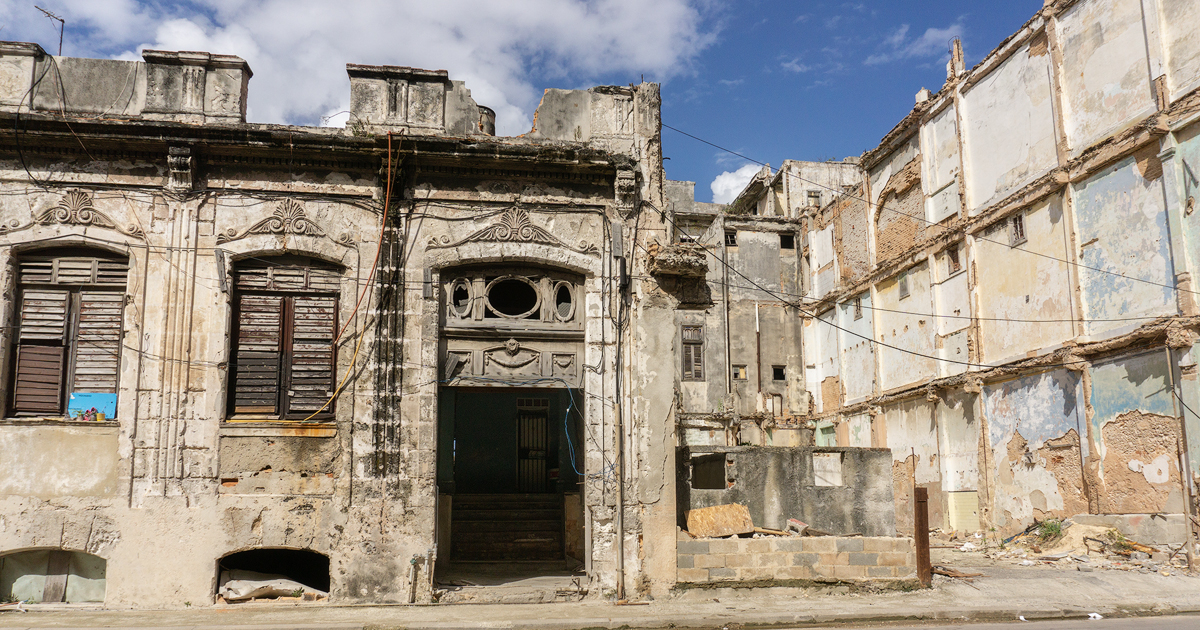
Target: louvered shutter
[
  {"x": 257, "y": 356},
  {"x": 39, "y": 370},
  {"x": 98, "y": 343},
  {"x": 311, "y": 374}
]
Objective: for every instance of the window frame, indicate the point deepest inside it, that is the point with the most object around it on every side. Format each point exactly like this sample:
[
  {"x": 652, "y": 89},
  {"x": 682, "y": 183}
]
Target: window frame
[
  {"x": 691, "y": 355},
  {"x": 286, "y": 343},
  {"x": 82, "y": 306},
  {"x": 1017, "y": 233},
  {"x": 731, "y": 238}
]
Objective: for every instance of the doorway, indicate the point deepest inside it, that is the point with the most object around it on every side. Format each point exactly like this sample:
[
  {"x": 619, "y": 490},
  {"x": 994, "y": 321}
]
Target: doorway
[{"x": 508, "y": 484}]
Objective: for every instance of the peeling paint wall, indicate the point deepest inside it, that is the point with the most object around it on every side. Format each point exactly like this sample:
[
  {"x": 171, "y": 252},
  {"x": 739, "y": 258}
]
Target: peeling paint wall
[
  {"x": 912, "y": 435},
  {"x": 939, "y": 150},
  {"x": 1182, "y": 46},
  {"x": 1103, "y": 68},
  {"x": 1034, "y": 427},
  {"x": 856, "y": 349},
  {"x": 905, "y": 324},
  {"x": 1135, "y": 436},
  {"x": 1123, "y": 229},
  {"x": 1028, "y": 301},
  {"x": 1008, "y": 128}
]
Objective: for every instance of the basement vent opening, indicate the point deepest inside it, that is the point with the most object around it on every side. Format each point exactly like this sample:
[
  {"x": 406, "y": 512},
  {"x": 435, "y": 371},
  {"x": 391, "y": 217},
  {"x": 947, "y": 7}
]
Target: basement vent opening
[
  {"x": 512, "y": 298},
  {"x": 51, "y": 576},
  {"x": 787, "y": 241},
  {"x": 273, "y": 573},
  {"x": 708, "y": 472}
]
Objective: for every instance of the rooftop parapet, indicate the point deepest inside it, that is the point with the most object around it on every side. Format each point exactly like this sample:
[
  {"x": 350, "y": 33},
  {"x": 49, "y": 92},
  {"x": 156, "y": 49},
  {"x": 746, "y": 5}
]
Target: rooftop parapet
[
  {"x": 191, "y": 87},
  {"x": 414, "y": 101}
]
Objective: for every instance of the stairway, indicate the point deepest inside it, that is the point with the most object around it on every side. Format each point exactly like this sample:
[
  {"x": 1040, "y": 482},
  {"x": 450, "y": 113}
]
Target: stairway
[{"x": 506, "y": 527}]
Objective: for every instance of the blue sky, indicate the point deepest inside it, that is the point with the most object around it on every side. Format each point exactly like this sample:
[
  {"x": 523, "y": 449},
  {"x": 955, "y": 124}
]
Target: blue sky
[{"x": 772, "y": 80}]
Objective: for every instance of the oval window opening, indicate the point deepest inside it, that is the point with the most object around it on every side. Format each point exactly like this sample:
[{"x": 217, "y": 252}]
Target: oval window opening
[
  {"x": 461, "y": 299},
  {"x": 513, "y": 298},
  {"x": 562, "y": 302}
]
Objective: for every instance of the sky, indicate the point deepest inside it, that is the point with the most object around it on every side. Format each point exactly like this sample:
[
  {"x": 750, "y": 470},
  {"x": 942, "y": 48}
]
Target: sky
[{"x": 769, "y": 79}]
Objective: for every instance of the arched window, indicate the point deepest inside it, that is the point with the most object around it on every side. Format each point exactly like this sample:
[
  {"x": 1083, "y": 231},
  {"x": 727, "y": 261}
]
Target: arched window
[
  {"x": 285, "y": 319},
  {"x": 68, "y": 343}
]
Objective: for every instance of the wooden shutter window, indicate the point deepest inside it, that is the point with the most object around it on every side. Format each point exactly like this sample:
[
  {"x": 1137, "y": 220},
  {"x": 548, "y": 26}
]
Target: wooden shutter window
[
  {"x": 311, "y": 374},
  {"x": 256, "y": 358},
  {"x": 98, "y": 342},
  {"x": 38, "y": 380}
]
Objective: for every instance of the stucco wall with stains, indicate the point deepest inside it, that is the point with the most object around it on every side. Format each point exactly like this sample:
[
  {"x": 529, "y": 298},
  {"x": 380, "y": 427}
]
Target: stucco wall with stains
[{"x": 905, "y": 324}]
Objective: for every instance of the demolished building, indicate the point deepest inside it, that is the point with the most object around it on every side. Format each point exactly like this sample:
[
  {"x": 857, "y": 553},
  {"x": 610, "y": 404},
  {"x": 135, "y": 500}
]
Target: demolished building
[{"x": 360, "y": 356}]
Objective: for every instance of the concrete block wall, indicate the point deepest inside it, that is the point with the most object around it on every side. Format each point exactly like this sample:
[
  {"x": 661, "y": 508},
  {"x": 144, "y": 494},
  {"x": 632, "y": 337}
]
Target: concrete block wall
[{"x": 795, "y": 559}]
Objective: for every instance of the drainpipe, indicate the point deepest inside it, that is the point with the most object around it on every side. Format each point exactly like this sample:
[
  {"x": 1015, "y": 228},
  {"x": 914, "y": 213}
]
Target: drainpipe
[
  {"x": 412, "y": 578},
  {"x": 758, "y": 354},
  {"x": 1185, "y": 464}
]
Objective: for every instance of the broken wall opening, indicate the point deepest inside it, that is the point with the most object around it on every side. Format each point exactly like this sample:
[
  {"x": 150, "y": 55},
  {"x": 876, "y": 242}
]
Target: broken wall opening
[
  {"x": 306, "y": 567},
  {"x": 46, "y": 576}
]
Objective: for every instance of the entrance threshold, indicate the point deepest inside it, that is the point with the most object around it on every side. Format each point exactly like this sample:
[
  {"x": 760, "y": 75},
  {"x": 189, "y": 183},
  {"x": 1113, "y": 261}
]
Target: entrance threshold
[{"x": 511, "y": 582}]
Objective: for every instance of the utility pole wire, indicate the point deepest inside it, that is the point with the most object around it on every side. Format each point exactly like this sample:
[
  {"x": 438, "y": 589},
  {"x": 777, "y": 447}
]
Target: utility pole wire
[{"x": 61, "y": 24}]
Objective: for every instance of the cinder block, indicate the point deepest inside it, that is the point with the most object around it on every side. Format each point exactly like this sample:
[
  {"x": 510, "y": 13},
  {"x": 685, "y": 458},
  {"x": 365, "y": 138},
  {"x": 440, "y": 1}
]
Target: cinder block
[
  {"x": 721, "y": 574},
  {"x": 805, "y": 559},
  {"x": 833, "y": 559},
  {"x": 771, "y": 559},
  {"x": 904, "y": 571},
  {"x": 796, "y": 573},
  {"x": 892, "y": 559},
  {"x": 685, "y": 561},
  {"x": 864, "y": 559},
  {"x": 849, "y": 572},
  {"x": 756, "y": 573},
  {"x": 905, "y": 545},
  {"x": 881, "y": 572},
  {"x": 692, "y": 575},
  {"x": 693, "y": 546},
  {"x": 758, "y": 545},
  {"x": 788, "y": 544},
  {"x": 849, "y": 544},
  {"x": 820, "y": 544},
  {"x": 710, "y": 561},
  {"x": 735, "y": 560},
  {"x": 879, "y": 544}
]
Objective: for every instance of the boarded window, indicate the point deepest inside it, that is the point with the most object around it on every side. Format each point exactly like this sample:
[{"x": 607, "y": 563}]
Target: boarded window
[
  {"x": 693, "y": 353},
  {"x": 284, "y": 325},
  {"x": 67, "y": 358},
  {"x": 46, "y": 576}
]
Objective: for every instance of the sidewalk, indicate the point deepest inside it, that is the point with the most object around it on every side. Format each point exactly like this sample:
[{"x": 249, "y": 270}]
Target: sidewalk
[{"x": 1006, "y": 592}]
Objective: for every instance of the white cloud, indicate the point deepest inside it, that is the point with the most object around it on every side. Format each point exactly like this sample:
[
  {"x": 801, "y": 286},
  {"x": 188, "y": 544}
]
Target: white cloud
[
  {"x": 934, "y": 42},
  {"x": 726, "y": 186},
  {"x": 505, "y": 51},
  {"x": 795, "y": 66}
]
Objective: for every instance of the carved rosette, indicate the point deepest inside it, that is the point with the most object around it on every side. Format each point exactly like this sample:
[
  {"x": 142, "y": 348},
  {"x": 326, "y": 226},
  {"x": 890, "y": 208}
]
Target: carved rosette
[
  {"x": 514, "y": 226},
  {"x": 288, "y": 218},
  {"x": 76, "y": 208}
]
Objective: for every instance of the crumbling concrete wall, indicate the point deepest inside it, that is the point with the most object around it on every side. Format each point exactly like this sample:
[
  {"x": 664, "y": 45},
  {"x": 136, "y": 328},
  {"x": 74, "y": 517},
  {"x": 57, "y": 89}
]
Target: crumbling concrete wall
[
  {"x": 905, "y": 324},
  {"x": 854, "y": 493},
  {"x": 1035, "y": 451},
  {"x": 912, "y": 436},
  {"x": 1134, "y": 436}
]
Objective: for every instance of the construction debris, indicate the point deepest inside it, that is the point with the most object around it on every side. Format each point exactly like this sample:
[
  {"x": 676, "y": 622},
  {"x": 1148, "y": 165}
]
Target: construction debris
[{"x": 720, "y": 520}]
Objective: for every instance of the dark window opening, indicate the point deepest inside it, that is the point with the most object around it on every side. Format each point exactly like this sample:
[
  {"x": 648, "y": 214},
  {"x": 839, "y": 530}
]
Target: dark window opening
[
  {"x": 953, "y": 265},
  {"x": 787, "y": 241},
  {"x": 708, "y": 472},
  {"x": 563, "y": 302},
  {"x": 306, "y": 567},
  {"x": 513, "y": 299},
  {"x": 814, "y": 198},
  {"x": 730, "y": 238},
  {"x": 778, "y": 373}
]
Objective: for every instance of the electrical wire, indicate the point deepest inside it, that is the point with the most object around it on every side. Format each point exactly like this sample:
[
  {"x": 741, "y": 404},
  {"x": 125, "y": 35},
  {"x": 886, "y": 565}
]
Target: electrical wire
[{"x": 933, "y": 223}]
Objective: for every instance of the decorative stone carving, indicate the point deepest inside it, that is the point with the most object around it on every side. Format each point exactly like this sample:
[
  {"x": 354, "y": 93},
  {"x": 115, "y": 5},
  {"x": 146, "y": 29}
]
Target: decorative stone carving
[
  {"x": 288, "y": 218},
  {"x": 514, "y": 226},
  {"x": 510, "y": 358},
  {"x": 75, "y": 208}
]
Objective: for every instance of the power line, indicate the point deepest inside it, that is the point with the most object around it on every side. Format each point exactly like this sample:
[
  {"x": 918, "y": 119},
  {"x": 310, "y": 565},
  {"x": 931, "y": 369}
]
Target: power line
[{"x": 928, "y": 222}]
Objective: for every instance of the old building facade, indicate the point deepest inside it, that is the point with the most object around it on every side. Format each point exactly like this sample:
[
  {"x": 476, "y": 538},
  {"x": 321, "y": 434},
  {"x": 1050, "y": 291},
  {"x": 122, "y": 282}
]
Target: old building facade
[{"x": 374, "y": 352}]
